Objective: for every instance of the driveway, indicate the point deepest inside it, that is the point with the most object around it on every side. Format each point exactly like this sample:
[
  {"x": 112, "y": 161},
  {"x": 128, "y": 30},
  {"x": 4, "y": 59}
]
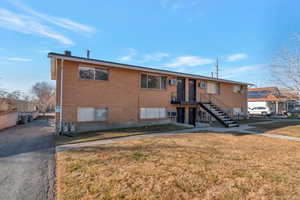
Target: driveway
[{"x": 27, "y": 162}]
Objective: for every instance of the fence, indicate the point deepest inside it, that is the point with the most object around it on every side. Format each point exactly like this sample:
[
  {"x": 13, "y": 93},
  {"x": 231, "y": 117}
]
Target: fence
[{"x": 8, "y": 119}]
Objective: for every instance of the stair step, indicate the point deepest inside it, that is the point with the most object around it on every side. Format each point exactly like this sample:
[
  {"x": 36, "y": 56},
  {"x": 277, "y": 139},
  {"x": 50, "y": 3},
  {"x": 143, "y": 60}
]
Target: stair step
[
  {"x": 232, "y": 125},
  {"x": 219, "y": 114}
]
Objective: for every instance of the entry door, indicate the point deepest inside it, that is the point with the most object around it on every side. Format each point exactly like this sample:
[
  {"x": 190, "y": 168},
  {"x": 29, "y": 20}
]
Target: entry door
[
  {"x": 181, "y": 89},
  {"x": 192, "y": 90},
  {"x": 192, "y": 116},
  {"x": 180, "y": 115}
]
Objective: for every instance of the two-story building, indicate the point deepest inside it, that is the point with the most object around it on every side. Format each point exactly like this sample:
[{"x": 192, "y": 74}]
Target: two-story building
[{"x": 95, "y": 94}]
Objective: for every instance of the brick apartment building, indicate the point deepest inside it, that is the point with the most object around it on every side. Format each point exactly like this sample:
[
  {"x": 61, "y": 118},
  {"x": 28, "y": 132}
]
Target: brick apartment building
[{"x": 95, "y": 94}]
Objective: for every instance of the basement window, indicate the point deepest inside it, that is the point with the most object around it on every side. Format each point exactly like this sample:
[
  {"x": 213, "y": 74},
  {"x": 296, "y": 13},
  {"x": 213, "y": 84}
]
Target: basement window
[
  {"x": 153, "y": 81},
  {"x": 92, "y": 73},
  {"x": 153, "y": 113},
  {"x": 89, "y": 114}
]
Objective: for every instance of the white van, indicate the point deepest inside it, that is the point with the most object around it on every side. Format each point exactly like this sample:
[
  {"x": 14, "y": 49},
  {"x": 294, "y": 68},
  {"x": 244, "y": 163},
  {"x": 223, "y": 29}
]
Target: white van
[{"x": 260, "y": 110}]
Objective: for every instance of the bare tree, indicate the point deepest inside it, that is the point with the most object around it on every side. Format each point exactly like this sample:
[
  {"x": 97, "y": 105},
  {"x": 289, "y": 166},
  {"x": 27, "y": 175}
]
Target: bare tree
[
  {"x": 43, "y": 92},
  {"x": 7, "y": 99},
  {"x": 285, "y": 69}
]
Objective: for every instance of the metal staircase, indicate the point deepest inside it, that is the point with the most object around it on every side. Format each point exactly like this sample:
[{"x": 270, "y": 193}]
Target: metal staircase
[
  {"x": 218, "y": 114},
  {"x": 215, "y": 111}
]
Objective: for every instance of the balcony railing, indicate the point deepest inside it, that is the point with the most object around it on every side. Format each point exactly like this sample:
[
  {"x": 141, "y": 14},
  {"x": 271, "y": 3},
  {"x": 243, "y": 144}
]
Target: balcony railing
[{"x": 176, "y": 100}]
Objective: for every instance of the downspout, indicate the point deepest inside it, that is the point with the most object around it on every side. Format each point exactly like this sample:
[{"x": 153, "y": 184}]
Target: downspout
[{"x": 61, "y": 96}]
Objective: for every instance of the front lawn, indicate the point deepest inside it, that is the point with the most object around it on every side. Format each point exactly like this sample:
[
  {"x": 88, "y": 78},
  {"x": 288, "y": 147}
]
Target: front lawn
[
  {"x": 92, "y": 136},
  {"x": 190, "y": 166}
]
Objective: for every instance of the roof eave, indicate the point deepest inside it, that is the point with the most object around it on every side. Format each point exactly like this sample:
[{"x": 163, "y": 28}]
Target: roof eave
[{"x": 133, "y": 67}]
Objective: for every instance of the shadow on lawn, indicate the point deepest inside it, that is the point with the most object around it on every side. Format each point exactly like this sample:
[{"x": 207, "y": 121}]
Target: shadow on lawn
[
  {"x": 273, "y": 126},
  {"x": 152, "y": 147},
  {"x": 116, "y": 133}
]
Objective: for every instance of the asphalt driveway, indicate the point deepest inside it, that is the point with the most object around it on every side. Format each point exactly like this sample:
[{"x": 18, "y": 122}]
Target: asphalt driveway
[{"x": 27, "y": 164}]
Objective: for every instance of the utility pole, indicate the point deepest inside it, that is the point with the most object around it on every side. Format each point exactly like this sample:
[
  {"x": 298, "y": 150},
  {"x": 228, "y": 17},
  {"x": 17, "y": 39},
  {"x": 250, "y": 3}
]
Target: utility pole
[
  {"x": 88, "y": 54},
  {"x": 217, "y": 68}
]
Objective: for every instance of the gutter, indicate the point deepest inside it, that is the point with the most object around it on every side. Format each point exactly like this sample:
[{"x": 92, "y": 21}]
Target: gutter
[{"x": 61, "y": 96}]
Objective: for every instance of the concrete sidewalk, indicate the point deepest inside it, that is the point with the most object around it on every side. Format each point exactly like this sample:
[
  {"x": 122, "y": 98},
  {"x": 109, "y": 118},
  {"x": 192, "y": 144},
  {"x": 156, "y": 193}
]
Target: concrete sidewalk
[{"x": 241, "y": 129}]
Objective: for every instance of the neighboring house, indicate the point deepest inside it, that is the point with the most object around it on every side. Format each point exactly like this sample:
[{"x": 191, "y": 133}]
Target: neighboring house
[
  {"x": 11, "y": 111},
  {"x": 271, "y": 97},
  {"x": 292, "y": 99},
  {"x": 5, "y": 105},
  {"x": 97, "y": 94}
]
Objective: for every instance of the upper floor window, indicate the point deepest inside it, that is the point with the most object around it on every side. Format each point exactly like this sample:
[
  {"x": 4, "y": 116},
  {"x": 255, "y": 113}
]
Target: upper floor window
[
  {"x": 153, "y": 81},
  {"x": 92, "y": 73},
  {"x": 213, "y": 88},
  {"x": 237, "y": 89}
]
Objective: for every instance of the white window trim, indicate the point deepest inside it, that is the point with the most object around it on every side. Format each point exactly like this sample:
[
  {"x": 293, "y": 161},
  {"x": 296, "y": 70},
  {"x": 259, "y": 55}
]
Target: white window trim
[
  {"x": 94, "y": 114},
  {"x": 144, "y": 111},
  {"x": 239, "y": 91},
  {"x": 160, "y": 81},
  {"x": 218, "y": 87}
]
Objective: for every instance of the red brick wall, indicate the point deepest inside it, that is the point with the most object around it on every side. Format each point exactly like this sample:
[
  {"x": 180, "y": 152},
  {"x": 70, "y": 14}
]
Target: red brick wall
[{"x": 122, "y": 94}]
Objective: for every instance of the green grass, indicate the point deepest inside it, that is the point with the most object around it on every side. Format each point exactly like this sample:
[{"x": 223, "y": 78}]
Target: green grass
[
  {"x": 248, "y": 121},
  {"x": 113, "y": 133},
  {"x": 287, "y": 128}
]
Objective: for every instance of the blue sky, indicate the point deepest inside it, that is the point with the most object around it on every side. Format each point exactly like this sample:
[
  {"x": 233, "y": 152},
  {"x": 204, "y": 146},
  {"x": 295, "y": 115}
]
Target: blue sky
[{"x": 179, "y": 35}]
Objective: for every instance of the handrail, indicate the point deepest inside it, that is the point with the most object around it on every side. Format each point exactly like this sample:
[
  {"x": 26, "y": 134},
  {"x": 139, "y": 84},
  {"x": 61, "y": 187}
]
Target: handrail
[{"x": 213, "y": 99}]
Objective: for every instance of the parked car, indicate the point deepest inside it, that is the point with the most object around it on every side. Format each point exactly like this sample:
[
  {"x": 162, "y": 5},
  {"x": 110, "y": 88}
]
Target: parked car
[
  {"x": 294, "y": 111},
  {"x": 261, "y": 110}
]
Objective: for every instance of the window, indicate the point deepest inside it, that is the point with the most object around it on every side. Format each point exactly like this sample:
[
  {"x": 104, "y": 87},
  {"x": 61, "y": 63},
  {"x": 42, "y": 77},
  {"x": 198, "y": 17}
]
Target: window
[
  {"x": 238, "y": 89},
  {"x": 101, "y": 74},
  {"x": 86, "y": 73},
  {"x": 101, "y": 114},
  {"x": 153, "y": 81},
  {"x": 90, "y": 73},
  {"x": 89, "y": 114},
  {"x": 212, "y": 88},
  {"x": 259, "y": 108},
  {"x": 237, "y": 111},
  {"x": 153, "y": 113}
]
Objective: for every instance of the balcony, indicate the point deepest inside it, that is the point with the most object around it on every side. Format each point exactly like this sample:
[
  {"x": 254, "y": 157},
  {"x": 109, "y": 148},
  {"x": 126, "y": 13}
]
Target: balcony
[{"x": 176, "y": 101}]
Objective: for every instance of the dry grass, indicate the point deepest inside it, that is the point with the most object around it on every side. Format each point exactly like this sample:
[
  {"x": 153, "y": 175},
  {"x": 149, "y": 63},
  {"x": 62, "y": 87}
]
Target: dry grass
[
  {"x": 191, "y": 166},
  {"x": 99, "y": 135}
]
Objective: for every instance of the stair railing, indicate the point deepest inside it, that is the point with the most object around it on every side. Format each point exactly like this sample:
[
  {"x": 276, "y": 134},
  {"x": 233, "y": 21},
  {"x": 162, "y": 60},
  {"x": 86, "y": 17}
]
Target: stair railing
[{"x": 210, "y": 98}]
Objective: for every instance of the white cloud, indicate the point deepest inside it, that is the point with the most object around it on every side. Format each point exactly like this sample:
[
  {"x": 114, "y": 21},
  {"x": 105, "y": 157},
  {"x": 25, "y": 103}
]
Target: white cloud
[
  {"x": 37, "y": 23},
  {"x": 236, "y": 57},
  {"x": 44, "y": 51},
  {"x": 18, "y": 59},
  {"x": 131, "y": 54},
  {"x": 28, "y": 25},
  {"x": 238, "y": 71},
  {"x": 7, "y": 60},
  {"x": 190, "y": 61},
  {"x": 154, "y": 57},
  {"x": 61, "y": 22}
]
